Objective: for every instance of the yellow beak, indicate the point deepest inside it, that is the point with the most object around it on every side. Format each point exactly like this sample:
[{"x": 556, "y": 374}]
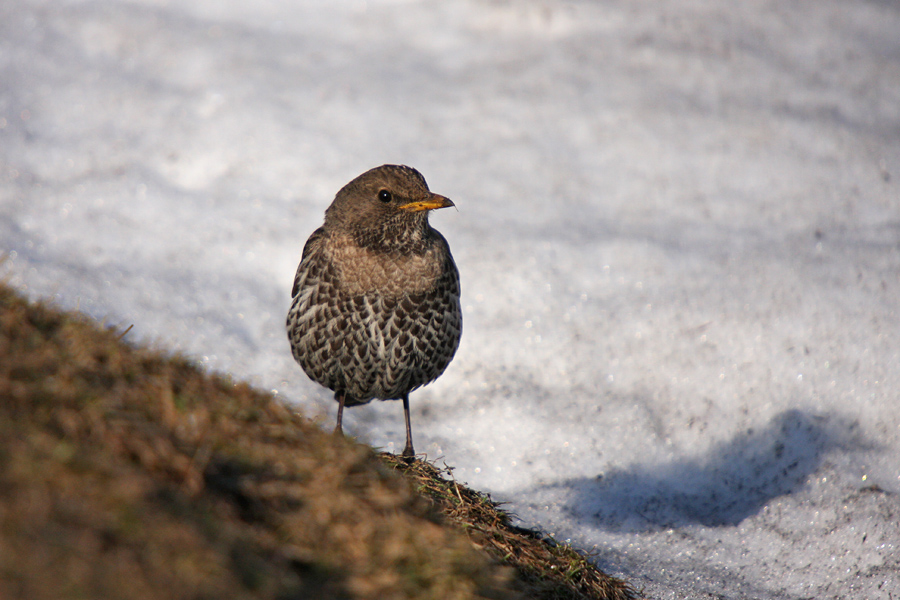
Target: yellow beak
[{"x": 435, "y": 201}]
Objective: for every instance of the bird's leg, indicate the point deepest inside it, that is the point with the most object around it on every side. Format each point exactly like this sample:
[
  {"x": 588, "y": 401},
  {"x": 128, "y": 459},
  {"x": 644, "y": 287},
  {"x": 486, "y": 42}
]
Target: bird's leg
[
  {"x": 408, "y": 452},
  {"x": 340, "y": 398}
]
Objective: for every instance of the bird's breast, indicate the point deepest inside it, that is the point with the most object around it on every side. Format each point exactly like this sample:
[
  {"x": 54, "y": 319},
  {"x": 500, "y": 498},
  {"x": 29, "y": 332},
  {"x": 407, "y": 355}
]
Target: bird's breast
[{"x": 364, "y": 270}]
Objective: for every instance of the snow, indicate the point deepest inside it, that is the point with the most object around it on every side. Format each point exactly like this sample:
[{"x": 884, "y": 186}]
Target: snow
[{"x": 678, "y": 233}]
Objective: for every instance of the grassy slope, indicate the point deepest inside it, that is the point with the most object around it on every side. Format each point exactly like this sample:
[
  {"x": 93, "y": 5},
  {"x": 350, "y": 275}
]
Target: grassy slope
[{"x": 127, "y": 474}]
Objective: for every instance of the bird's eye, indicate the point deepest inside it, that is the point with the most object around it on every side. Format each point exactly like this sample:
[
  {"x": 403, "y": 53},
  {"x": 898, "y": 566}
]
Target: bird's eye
[{"x": 385, "y": 196}]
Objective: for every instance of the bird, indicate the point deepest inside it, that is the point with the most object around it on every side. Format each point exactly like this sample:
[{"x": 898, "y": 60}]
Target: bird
[{"x": 375, "y": 306}]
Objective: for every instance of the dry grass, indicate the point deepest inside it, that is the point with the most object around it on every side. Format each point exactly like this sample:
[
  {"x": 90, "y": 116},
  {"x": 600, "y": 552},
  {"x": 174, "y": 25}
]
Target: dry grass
[
  {"x": 544, "y": 567},
  {"x": 128, "y": 474}
]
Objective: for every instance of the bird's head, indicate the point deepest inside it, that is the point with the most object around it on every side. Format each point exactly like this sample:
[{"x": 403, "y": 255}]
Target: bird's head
[{"x": 386, "y": 207}]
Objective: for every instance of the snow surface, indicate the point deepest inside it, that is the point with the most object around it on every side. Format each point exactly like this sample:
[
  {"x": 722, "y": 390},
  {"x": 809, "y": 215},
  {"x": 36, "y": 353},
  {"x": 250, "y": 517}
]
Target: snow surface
[{"x": 678, "y": 234}]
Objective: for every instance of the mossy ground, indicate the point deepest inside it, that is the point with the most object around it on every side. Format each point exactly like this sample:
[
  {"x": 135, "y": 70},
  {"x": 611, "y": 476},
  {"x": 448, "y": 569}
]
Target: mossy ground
[{"x": 127, "y": 473}]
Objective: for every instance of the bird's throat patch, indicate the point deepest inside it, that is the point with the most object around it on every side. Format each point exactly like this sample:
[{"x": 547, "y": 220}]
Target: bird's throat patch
[{"x": 366, "y": 271}]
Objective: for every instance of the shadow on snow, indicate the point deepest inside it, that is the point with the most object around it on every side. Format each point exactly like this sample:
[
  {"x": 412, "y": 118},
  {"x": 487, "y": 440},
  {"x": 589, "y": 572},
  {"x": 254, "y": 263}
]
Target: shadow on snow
[{"x": 734, "y": 481}]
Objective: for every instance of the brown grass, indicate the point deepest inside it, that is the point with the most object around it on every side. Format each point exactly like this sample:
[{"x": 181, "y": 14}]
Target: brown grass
[
  {"x": 125, "y": 473},
  {"x": 544, "y": 567}
]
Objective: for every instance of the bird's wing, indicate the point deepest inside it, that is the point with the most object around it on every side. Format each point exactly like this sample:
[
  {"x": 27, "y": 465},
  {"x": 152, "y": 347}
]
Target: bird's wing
[
  {"x": 310, "y": 248},
  {"x": 450, "y": 265}
]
